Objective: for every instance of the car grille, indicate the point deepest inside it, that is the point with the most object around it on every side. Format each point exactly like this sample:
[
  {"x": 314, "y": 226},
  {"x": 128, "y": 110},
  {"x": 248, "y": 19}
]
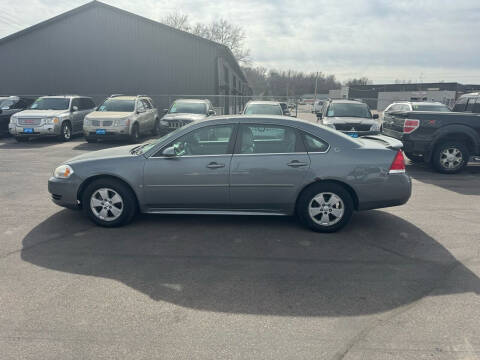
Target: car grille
[
  {"x": 175, "y": 124},
  {"x": 102, "y": 123},
  {"x": 352, "y": 127},
  {"x": 29, "y": 121}
]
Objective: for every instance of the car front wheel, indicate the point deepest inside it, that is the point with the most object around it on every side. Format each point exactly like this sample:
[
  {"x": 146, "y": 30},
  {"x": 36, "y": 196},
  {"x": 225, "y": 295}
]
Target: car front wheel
[
  {"x": 66, "y": 131},
  {"x": 109, "y": 203},
  {"x": 325, "y": 207},
  {"x": 135, "y": 136},
  {"x": 450, "y": 157}
]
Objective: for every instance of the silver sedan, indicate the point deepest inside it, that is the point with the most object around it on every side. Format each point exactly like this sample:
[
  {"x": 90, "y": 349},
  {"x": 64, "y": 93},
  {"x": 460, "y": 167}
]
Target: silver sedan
[{"x": 244, "y": 165}]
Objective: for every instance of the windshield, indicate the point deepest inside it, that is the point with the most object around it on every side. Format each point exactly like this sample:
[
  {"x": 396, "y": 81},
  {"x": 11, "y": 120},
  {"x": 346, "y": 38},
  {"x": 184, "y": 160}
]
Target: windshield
[
  {"x": 263, "y": 109},
  {"x": 349, "y": 110},
  {"x": 51, "y": 104},
  {"x": 7, "y": 103},
  {"x": 117, "y": 105},
  {"x": 430, "y": 107},
  {"x": 188, "y": 107}
]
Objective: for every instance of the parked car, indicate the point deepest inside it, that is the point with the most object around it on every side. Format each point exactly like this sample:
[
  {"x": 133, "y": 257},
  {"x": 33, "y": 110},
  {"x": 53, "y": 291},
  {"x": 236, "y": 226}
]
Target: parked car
[
  {"x": 416, "y": 106},
  {"x": 122, "y": 117},
  {"x": 255, "y": 165},
  {"x": 185, "y": 111},
  {"x": 11, "y": 105},
  {"x": 285, "y": 109},
  {"x": 317, "y": 107},
  {"x": 60, "y": 116},
  {"x": 256, "y": 107},
  {"x": 445, "y": 139},
  {"x": 349, "y": 116}
]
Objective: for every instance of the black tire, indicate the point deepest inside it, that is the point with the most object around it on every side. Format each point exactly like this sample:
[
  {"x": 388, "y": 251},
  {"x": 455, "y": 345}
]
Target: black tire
[
  {"x": 307, "y": 197},
  {"x": 440, "y": 161},
  {"x": 21, "y": 138},
  {"x": 156, "y": 128},
  {"x": 91, "y": 140},
  {"x": 66, "y": 131},
  {"x": 414, "y": 158},
  {"x": 129, "y": 206},
  {"x": 135, "y": 135}
]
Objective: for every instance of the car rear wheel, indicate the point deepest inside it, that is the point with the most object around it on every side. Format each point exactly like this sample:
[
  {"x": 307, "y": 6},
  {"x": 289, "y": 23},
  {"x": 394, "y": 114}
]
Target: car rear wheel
[
  {"x": 109, "y": 203},
  {"x": 450, "y": 157},
  {"x": 325, "y": 207},
  {"x": 135, "y": 136},
  {"x": 156, "y": 128},
  {"x": 66, "y": 131}
]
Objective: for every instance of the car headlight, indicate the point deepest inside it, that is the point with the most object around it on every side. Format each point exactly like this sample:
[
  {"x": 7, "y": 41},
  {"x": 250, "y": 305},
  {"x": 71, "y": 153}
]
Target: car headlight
[
  {"x": 375, "y": 127},
  {"x": 13, "y": 119},
  {"x": 63, "y": 172},
  {"x": 51, "y": 120},
  {"x": 164, "y": 122},
  {"x": 330, "y": 125},
  {"x": 86, "y": 122},
  {"x": 122, "y": 122}
]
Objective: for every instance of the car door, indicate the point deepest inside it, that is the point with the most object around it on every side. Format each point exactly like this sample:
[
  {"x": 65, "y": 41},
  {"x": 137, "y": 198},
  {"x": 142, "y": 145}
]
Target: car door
[
  {"x": 197, "y": 177},
  {"x": 267, "y": 168}
]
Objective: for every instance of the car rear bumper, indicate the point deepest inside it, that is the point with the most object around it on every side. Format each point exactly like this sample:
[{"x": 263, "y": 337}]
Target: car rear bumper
[
  {"x": 395, "y": 190},
  {"x": 409, "y": 145},
  {"x": 64, "y": 192}
]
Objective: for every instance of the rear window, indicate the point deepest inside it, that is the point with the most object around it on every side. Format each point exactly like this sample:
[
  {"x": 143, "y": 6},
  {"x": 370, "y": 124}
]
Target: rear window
[{"x": 420, "y": 107}]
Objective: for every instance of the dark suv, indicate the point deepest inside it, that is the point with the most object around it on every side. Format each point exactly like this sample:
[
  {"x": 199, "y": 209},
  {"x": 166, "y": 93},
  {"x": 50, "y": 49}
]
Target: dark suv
[
  {"x": 11, "y": 105},
  {"x": 350, "y": 117},
  {"x": 185, "y": 111}
]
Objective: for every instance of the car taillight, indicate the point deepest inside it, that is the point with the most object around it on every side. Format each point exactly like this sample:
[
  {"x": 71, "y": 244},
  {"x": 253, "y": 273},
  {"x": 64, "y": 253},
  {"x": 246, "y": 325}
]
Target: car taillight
[
  {"x": 398, "y": 164},
  {"x": 410, "y": 125}
]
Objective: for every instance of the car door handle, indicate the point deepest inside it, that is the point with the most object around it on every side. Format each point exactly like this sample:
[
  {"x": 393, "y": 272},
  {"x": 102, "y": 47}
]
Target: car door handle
[
  {"x": 296, "y": 163},
  {"x": 214, "y": 165}
]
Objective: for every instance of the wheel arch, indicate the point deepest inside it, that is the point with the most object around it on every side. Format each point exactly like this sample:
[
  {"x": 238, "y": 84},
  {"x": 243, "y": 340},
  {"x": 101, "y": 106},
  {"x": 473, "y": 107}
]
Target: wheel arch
[
  {"x": 92, "y": 178},
  {"x": 346, "y": 186},
  {"x": 456, "y": 133}
]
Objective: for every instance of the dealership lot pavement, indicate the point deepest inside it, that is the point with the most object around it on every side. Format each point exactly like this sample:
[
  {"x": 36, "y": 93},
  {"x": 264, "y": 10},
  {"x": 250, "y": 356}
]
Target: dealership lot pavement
[{"x": 398, "y": 283}]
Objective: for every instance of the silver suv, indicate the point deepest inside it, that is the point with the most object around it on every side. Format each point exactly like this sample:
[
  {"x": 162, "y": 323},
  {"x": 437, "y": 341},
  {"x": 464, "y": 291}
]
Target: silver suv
[
  {"x": 122, "y": 117},
  {"x": 60, "y": 116}
]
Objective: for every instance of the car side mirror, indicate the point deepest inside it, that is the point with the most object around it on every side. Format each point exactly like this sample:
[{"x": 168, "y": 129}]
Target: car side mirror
[
  {"x": 375, "y": 116},
  {"x": 211, "y": 112},
  {"x": 74, "y": 108},
  {"x": 169, "y": 152}
]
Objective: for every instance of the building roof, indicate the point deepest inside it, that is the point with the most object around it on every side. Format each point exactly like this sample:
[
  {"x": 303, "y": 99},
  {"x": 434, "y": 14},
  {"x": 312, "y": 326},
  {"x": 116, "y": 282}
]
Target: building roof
[{"x": 96, "y": 3}]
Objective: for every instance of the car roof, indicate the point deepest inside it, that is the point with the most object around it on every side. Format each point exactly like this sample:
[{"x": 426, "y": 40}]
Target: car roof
[
  {"x": 264, "y": 102},
  {"x": 345, "y": 101},
  {"x": 419, "y": 102},
  {"x": 193, "y": 100}
]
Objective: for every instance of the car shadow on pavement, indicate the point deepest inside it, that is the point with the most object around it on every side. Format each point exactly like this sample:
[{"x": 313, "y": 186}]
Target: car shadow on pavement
[
  {"x": 11, "y": 143},
  {"x": 466, "y": 182},
  {"x": 256, "y": 265}
]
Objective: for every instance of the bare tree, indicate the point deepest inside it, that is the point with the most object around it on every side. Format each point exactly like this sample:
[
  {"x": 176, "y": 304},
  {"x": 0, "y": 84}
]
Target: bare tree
[
  {"x": 177, "y": 20},
  {"x": 220, "y": 31}
]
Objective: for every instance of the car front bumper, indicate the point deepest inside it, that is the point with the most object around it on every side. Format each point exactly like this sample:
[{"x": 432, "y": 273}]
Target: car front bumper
[
  {"x": 64, "y": 192},
  {"x": 43, "y": 130},
  {"x": 111, "y": 132}
]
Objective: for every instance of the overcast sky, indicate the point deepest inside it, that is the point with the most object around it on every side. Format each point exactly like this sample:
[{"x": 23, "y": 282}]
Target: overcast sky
[{"x": 384, "y": 40}]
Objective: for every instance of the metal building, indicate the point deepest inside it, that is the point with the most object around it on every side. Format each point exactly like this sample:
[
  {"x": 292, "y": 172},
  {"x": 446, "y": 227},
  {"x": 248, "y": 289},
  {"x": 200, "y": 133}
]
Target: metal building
[{"x": 97, "y": 50}]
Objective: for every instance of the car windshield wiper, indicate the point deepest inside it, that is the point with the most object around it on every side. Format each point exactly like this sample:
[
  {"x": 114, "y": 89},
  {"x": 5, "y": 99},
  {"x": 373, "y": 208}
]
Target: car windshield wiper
[{"x": 136, "y": 149}]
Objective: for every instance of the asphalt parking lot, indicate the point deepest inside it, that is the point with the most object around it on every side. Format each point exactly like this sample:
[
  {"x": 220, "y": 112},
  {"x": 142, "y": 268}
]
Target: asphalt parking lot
[{"x": 397, "y": 283}]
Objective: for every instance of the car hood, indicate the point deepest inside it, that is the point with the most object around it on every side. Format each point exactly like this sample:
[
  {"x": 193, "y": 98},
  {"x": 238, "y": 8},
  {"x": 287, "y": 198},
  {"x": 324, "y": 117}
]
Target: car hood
[
  {"x": 184, "y": 116},
  {"x": 41, "y": 113},
  {"x": 106, "y": 154},
  {"x": 108, "y": 114},
  {"x": 350, "y": 120}
]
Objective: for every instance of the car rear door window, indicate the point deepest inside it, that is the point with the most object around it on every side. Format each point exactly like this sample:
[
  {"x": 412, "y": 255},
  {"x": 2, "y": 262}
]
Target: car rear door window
[
  {"x": 314, "y": 144},
  {"x": 267, "y": 139},
  {"x": 210, "y": 140}
]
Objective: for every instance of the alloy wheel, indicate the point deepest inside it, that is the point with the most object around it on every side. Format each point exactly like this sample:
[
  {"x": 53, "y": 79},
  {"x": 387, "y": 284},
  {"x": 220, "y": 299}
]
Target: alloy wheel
[
  {"x": 66, "y": 132},
  {"x": 451, "y": 158},
  {"x": 106, "y": 204},
  {"x": 326, "y": 209}
]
